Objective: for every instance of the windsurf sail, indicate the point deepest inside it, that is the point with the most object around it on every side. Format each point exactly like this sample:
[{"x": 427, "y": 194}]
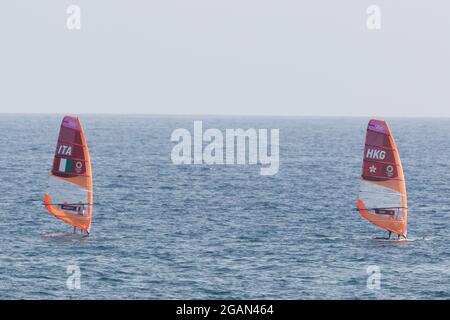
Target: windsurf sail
[
  {"x": 69, "y": 194},
  {"x": 382, "y": 197}
]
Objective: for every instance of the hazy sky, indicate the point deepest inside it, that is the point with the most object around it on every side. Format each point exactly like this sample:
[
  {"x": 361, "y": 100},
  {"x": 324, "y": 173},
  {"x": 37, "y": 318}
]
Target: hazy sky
[{"x": 277, "y": 57}]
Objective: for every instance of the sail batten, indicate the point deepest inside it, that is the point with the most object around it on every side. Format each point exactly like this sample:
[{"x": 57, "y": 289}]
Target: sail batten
[
  {"x": 382, "y": 198},
  {"x": 69, "y": 194}
]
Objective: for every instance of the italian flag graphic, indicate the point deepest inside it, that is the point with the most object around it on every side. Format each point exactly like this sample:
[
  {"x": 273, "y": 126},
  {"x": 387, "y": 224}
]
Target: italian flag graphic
[{"x": 65, "y": 165}]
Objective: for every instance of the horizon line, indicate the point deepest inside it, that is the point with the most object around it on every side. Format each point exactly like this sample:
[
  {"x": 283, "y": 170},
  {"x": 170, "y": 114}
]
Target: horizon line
[{"x": 227, "y": 115}]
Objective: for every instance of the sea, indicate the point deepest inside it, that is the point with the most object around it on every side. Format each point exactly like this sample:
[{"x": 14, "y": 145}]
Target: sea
[{"x": 166, "y": 231}]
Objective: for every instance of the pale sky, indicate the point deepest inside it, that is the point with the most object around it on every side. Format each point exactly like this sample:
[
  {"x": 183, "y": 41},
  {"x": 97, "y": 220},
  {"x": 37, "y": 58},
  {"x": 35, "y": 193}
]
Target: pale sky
[{"x": 255, "y": 57}]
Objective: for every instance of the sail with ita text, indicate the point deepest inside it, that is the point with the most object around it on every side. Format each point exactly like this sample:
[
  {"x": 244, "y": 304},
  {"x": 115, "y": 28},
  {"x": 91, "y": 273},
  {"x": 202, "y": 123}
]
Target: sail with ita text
[
  {"x": 69, "y": 194},
  {"x": 382, "y": 197}
]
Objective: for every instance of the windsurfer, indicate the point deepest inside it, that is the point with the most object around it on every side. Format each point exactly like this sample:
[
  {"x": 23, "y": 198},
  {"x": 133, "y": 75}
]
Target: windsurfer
[
  {"x": 81, "y": 208},
  {"x": 70, "y": 182},
  {"x": 382, "y": 198}
]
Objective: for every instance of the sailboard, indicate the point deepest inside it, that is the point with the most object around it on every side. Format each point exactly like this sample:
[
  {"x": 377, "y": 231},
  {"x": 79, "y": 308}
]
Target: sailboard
[
  {"x": 388, "y": 240},
  {"x": 382, "y": 197},
  {"x": 69, "y": 195}
]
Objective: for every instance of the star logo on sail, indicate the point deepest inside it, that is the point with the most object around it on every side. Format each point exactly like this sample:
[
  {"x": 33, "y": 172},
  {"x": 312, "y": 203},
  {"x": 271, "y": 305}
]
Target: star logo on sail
[{"x": 373, "y": 169}]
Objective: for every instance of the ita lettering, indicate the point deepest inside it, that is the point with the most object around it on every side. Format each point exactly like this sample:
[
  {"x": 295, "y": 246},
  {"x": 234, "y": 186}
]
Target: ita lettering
[{"x": 65, "y": 150}]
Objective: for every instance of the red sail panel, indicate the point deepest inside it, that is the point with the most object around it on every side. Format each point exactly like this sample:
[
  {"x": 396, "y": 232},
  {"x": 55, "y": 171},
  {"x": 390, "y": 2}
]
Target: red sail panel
[
  {"x": 69, "y": 195},
  {"x": 382, "y": 197}
]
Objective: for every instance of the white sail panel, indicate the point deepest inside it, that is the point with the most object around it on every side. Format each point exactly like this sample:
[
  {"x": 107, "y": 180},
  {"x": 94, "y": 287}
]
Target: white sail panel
[
  {"x": 62, "y": 192},
  {"x": 375, "y": 196}
]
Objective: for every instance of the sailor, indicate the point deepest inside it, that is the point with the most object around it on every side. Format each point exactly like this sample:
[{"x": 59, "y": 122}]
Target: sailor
[{"x": 81, "y": 208}]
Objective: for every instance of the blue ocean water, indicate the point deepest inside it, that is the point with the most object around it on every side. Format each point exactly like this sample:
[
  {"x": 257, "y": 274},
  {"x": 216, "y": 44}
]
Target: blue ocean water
[{"x": 214, "y": 232}]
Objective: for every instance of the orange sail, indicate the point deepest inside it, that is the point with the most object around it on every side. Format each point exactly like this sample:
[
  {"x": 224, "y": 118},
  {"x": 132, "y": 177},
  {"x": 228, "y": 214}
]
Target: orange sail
[
  {"x": 382, "y": 197},
  {"x": 69, "y": 195}
]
